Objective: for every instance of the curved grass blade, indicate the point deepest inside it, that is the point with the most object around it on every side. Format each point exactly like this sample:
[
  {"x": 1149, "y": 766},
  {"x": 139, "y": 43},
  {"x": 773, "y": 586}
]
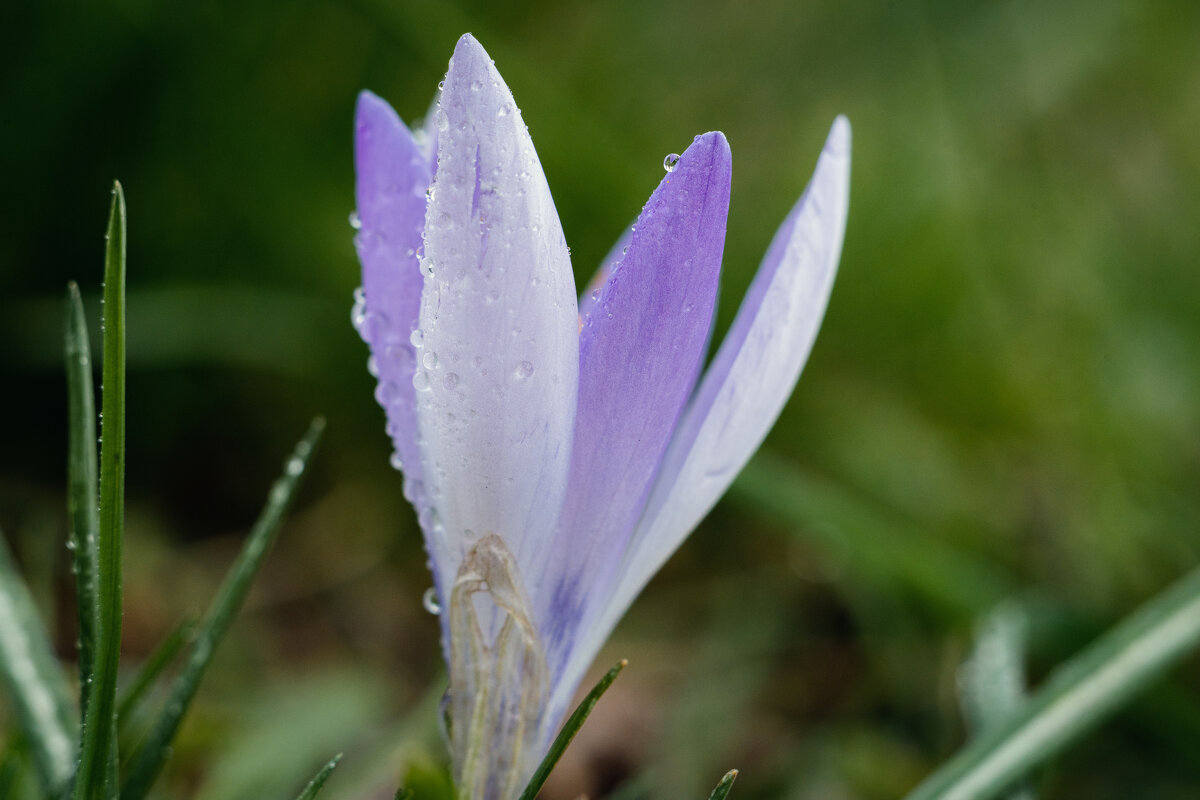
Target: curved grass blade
[
  {"x": 129, "y": 699},
  {"x": 724, "y": 786},
  {"x": 315, "y": 785},
  {"x": 97, "y": 755},
  {"x": 83, "y": 499},
  {"x": 1076, "y": 698},
  {"x": 37, "y": 693},
  {"x": 569, "y": 729},
  {"x": 153, "y": 753}
]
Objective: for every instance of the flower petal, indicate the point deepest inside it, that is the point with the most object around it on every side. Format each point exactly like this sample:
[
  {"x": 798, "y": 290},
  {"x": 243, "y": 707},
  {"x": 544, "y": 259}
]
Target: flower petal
[
  {"x": 392, "y": 176},
  {"x": 744, "y": 388},
  {"x": 641, "y": 350},
  {"x": 499, "y": 360},
  {"x": 754, "y": 372}
]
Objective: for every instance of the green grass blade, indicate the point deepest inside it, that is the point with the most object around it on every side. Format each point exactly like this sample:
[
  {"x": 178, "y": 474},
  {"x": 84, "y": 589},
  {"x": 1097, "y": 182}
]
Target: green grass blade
[
  {"x": 567, "y": 734},
  {"x": 37, "y": 693},
  {"x": 153, "y": 753},
  {"x": 1076, "y": 698},
  {"x": 315, "y": 785},
  {"x": 722, "y": 788},
  {"x": 130, "y": 698},
  {"x": 98, "y": 752},
  {"x": 83, "y": 499}
]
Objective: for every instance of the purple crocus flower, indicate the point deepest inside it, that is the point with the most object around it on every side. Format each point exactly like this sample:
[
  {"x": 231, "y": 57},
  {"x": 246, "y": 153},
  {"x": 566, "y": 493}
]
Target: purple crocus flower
[{"x": 558, "y": 451}]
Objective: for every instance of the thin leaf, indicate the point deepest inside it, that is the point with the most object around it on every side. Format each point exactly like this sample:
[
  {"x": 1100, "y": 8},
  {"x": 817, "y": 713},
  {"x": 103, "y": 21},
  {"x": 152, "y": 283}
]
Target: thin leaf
[
  {"x": 569, "y": 729},
  {"x": 36, "y": 690},
  {"x": 153, "y": 753},
  {"x": 724, "y": 786},
  {"x": 1076, "y": 698},
  {"x": 130, "y": 698},
  {"x": 314, "y": 786},
  {"x": 98, "y": 752},
  {"x": 83, "y": 500}
]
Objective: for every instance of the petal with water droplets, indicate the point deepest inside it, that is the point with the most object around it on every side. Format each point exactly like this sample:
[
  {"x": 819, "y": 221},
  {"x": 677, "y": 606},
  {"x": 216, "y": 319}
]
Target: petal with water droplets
[
  {"x": 391, "y": 178},
  {"x": 641, "y": 349},
  {"x": 747, "y": 384},
  {"x": 499, "y": 361}
]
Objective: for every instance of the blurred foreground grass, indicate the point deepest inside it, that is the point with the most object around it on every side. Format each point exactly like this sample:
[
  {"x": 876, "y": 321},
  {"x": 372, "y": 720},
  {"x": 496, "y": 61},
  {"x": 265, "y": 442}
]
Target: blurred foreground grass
[{"x": 1003, "y": 401}]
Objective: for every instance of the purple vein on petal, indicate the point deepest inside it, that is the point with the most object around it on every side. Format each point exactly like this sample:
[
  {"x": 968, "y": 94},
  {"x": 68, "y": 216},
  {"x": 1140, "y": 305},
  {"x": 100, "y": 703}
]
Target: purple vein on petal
[
  {"x": 498, "y": 366},
  {"x": 641, "y": 349}
]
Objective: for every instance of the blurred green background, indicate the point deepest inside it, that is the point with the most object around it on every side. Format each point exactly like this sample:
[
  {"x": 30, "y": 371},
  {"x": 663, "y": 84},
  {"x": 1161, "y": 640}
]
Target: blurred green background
[{"x": 1003, "y": 401}]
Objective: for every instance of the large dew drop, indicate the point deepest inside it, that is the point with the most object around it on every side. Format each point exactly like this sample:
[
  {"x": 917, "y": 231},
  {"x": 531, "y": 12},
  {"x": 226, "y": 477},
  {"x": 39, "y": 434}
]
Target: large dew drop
[{"x": 670, "y": 162}]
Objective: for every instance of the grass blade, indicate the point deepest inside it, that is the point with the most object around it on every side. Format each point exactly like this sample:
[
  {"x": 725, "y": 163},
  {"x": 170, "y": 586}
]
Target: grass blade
[
  {"x": 1076, "y": 698},
  {"x": 83, "y": 499},
  {"x": 567, "y": 734},
  {"x": 130, "y": 698},
  {"x": 315, "y": 785},
  {"x": 97, "y": 753},
  {"x": 150, "y": 758},
  {"x": 36, "y": 690},
  {"x": 724, "y": 786}
]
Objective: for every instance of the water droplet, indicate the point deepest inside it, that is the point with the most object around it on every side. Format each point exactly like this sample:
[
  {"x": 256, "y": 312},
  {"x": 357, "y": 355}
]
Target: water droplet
[
  {"x": 430, "y": 601},
  {"x": 524, "y": 369},
  {"x": 450, "y": 381},
  {"x": 670, "y": 161},
  {"x": 395, "y": 460},
  {"x": 427, "y": 267},
  {"x": 429, "y": 360},
  {"x": 294, "y": 467},
  {"x": 355, "y": 222},
  {"x": 596, "y": 294},
  {"x": 373, "y": 366},
  {"x": 417, "y": 338},
  {"x": 421, "y": 380}
]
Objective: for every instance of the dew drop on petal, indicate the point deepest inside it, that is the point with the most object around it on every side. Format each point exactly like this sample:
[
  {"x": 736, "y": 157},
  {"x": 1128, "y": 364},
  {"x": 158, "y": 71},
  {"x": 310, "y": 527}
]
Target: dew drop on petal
[
  {"x": 421, "y": 380},
  {"x": 355, "y": 222},
  {"x": 417, "y": 338},
  {"x": 670, "y": 161},
  {"x": 450, "y": 381},
  {"x": 429, "y": 360},
  {"x": 430, "y": 601},
  {"x": 395, "y": 460},
  {"x": 524, "y": 369}
]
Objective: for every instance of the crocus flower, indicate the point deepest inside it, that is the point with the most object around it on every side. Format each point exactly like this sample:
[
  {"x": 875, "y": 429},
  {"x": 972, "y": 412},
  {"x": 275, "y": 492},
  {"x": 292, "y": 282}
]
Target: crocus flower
[{"x": 558, "y": 451}]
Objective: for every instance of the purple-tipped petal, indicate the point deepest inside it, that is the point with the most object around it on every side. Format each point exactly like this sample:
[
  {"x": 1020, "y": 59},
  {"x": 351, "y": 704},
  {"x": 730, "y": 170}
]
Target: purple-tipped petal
[
  {"x": 640, "y": 353},
  {"x": 392, "y": 176},
  {"x": 745, "y": 387},
  {"x": 498, "y": 365}
]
